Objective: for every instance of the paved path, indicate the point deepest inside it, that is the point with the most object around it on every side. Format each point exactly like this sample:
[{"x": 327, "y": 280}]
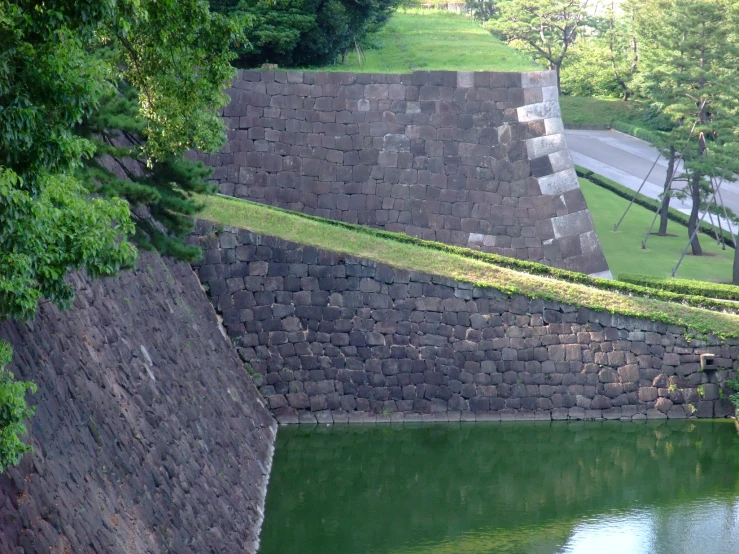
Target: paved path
[{"x": 627, "y": 160}]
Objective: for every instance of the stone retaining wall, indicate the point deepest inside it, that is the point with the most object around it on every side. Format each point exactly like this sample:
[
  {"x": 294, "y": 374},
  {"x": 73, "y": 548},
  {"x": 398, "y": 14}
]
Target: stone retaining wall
[
  {"x": 469, "y": 159},
  {"x": 149, "y": 435},
  {"x": 336, "y": 338}
]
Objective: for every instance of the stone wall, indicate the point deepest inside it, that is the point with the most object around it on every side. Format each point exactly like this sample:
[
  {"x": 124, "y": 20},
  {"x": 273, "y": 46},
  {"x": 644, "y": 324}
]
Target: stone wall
[
  {"x": 469, "y": 159},
  {"x": 149, "y": 435},
  {"x": 336, "y": 338}
]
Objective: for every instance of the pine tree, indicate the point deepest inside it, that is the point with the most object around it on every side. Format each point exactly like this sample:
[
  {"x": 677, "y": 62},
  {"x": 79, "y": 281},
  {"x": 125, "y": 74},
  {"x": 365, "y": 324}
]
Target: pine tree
[
  {"x": 160, "y": 191},
  {"x": 689, "y": 72}
]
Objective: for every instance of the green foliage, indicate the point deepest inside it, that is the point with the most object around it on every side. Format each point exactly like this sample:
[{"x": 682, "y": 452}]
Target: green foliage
[
  {"x": 13, "y": 412},
  {"x": 649, "y": 203},
  {"x": 481, "y": 10},
  {"x": 546, "y": 29},
  {"x": 639, "y": 132},
  {"x": 43, "y": 236},
  {"x": 689, "y": 51},
  {"x": 59, "y": 62},
  {"x": 587, "y": 71},
  {"x": 733, "y": 386},
  {"x": 177, "y": 54},
  {"x": 159, "y": 190},
  {"x": 47, "y": 83},
  {"x": 302, "y": 33},
  {"x": 683, "y": 286},
  {"x": 604, "y": 62}
]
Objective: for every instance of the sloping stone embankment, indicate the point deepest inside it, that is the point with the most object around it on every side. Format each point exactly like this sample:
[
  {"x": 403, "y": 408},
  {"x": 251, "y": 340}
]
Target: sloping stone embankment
[{"x": 149, "y": 435}]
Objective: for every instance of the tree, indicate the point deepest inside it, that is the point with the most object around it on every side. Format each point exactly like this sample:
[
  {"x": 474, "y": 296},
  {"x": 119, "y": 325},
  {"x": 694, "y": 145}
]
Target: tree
[
  {"x": 623, "y": 46},
  {"x": 689, "y": 72},
  {"x": 302, "y": 33},
  {"x": 545, "y": 28},
  {"x": 481, "y": 10},
  {"x": 58, "y": 61},
  {"x": 176, "y": 62}
]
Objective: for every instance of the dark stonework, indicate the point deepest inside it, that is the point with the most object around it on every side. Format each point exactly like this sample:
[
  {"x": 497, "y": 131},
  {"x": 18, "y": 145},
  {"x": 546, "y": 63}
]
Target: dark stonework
[
  {"x": 470, "y": 159},
  {"x": 337, "y": 338},
  {"x": 149, "y": 435}
]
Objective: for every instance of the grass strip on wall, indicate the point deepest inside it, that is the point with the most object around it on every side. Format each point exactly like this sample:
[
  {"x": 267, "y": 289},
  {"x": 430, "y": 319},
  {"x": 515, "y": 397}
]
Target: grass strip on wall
[{"x": 511, "y": 276}]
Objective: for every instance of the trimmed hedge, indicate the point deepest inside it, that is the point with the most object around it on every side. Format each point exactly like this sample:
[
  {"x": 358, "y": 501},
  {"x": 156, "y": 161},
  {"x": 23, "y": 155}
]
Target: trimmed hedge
[
  {"x": 683, "y": 286},
  {"x": 651, "y": 204},
  {"x": 638, "y": 132},
  {"x": 532, "y": 268}
]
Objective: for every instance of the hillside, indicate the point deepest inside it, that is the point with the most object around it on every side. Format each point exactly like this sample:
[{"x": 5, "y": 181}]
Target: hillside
[
  {"x": 485, "y": 270},
  {"x": 434, "y": 40}
]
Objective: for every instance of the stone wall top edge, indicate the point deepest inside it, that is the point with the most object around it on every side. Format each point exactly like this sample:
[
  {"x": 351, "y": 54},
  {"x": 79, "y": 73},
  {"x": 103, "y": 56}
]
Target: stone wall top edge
[{"x": 271, "y": 72}]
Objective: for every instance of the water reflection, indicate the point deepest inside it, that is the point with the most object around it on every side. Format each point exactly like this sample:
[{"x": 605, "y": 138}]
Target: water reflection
[{"x": 506, "y": 488}]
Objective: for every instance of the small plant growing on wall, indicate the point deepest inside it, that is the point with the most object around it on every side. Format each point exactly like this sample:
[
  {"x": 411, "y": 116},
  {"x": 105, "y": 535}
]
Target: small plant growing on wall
[
  {"x": 733, "y": 387},
  {"x": 13, "y": 412}
]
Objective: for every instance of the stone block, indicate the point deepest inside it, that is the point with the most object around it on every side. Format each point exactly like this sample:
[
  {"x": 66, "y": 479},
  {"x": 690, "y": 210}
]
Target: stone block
[
  {"x": 549, "y": 144},
  {"x": 572, "y": 224}
]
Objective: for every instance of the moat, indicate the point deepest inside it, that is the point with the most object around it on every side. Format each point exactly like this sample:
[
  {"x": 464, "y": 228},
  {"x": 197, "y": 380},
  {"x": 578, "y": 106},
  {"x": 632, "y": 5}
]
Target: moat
[{"x": 535, "y": 488}]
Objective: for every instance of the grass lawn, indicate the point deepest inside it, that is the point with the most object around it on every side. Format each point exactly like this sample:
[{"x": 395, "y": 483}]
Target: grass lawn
[
  {"x": 386, "y": 249},
  {"x": 598, "y": 111},
  {"x": 623, "y": 248},
  {"x": 423, "y": 39}
]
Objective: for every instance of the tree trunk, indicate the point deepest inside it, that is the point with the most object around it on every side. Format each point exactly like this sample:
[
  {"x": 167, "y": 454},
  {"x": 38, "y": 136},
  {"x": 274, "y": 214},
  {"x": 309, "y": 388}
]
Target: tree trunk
[
  {"x": 557, "y": 67},
  {"x": 695, "y": 193},
  {"x": 665, "y": 208}
]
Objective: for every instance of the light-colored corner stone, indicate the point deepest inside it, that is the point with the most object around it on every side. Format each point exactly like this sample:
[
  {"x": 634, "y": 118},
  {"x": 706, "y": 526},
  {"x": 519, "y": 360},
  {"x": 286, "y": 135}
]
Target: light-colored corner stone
[
  {"x": 572, "y": 224},
  {"x": 561, "y": 160},
  {"x": 534, "y": 112},
  {"x": 465, "y": 79},
  {"x": 550, "y": 94},
  {"x": 553, "y": 126},
  {"x": 541, "y": 146},
  {"x": 558, "y": 183}
]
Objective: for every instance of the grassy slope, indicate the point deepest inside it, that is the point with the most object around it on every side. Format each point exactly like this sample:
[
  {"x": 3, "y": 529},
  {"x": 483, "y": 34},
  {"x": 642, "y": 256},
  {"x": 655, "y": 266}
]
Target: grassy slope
[
  {"x": 435, "y": 40},
  {"x": 623, "y": 248},
  {"x": 265, "y": 220},
  {"x": 598, "y": 111}
]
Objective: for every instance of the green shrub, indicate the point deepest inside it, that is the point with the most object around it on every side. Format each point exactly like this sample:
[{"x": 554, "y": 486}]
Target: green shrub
[
  {"x": 683, "y": 286},
  {"x": 650, "y": 203},
  {"x": 733, "y": 386},
  {"x": 638, "y": 132},
  {"x": 13, "y": 412}
]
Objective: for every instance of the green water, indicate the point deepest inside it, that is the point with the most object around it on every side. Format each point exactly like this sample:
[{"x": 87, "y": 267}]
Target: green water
[{"x": 534, "y": 488}]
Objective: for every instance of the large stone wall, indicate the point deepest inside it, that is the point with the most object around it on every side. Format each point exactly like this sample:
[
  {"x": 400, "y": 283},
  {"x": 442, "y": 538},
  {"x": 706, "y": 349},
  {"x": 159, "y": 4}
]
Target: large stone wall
[
  {"x": 470, "y": 159},
  {"x": 149, "y": 435},
  {"x": 338, "y": 338}
]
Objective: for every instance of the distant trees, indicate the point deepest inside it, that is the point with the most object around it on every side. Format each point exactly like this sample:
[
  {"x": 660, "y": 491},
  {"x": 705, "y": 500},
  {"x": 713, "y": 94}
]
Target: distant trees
[{"x": 304, "y": 33}]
